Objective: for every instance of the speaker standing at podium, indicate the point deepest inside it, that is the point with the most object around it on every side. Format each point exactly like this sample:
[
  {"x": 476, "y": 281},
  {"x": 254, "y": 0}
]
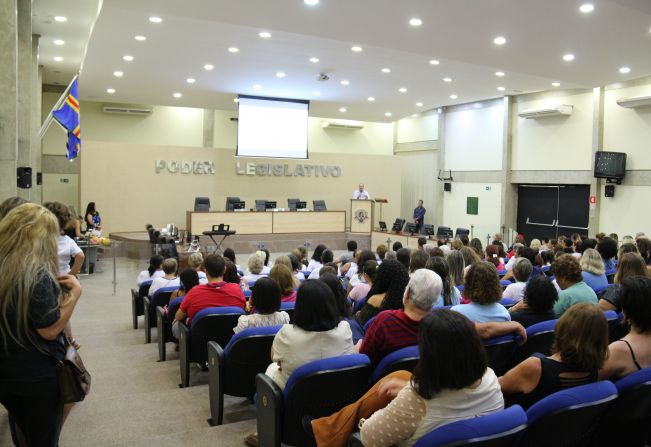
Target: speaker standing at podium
[
  {"x": 361, "y": 193},
  {"x": 419, "y": 216}
]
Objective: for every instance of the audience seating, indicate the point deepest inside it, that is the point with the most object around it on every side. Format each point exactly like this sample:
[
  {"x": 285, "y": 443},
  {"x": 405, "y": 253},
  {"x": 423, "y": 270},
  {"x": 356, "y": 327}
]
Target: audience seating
[
  {"x": 600, "y": 290},
  {"x": 210, "y": 324},
  {"x": 568, "y": 417},
  {"x": 505, "y": 283},
  {"x": 402, "y": 359},
  {"x": 627, "y": 421},
  {"x": 160, "y": 299},
  {"x": 368, "y": 324},
  {"x": 137, "y": 304},
  {"x": 540, "y": 337},
  {"x": 610, "y": 275},
  {"x": 616, "y": 326},
  {"x": 507, "y": 302},
  {"x": 500, "y": 352},
  {"x": 232, "y": 370},
  {"x": 316, "y": 389},
  {"x": 289, "y": 308},
  {"x": 164, "y": 326}
]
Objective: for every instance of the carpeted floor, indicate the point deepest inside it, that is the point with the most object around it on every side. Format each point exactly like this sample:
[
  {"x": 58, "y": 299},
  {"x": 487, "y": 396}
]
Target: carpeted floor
[{"x": 136, "y": 401}]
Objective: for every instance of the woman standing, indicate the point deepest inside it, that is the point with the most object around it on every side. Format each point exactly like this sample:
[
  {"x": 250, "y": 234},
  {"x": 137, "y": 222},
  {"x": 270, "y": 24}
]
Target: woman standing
[
  {"x": 93, "y": 221},
  {"x": 35, "y": 307}
]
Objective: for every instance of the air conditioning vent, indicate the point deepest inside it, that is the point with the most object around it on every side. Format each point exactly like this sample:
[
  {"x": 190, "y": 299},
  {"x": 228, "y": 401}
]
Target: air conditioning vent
[
  {"x": 123, "y": 110},
  {"x": 562, "y": 110},
  {"x": 342, "y": 124},
  {"x": 633, "y": 103}
]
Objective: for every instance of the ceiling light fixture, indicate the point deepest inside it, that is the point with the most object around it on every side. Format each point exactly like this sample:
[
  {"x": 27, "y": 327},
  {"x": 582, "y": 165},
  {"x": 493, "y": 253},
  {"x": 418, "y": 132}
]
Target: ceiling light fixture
[
  {"x": 280, "y": 74},
  {"x": 155, "y": 19},
  {"x": 60, "y": 19},
  {"x": 447, "y": 79},
  {"x": 257, "y": 87},
  {"x": 265, "y": 35},
  {"x": 356, "y": 49},
  {"x": 569, "y": 57},
  {"x": 127, "y": 58},
  {"x": 233, "y": 49},
  {"x": 140, "y": 38},
  {"x": 586, "y": 8},
  {"x": 556, "y": 84},
  {"x": 343, "y": 110},
  {"x": 388, "y": 114},
  {"x": 208, "y": 67},
  {"x": 177, "y": 95},
  {"x": 190, "y": 80},
  {"x": 434, "y": 62},
  {"x": 499, "y": 74},
  {"x": 236, "y": 100},
  {"x": 314, "y": 60},
  {"x": 57, "y": 59},
  {"x": 386, "y": 70},
  {"x": 477, "y": 105},
  {"x": 345, "y": 82},
  {"x": 316, "y": 93},
  {"x": 499, "y": 40},
  {"x": 402, "y": 90},
  {"x": 419, "y": 104},
  {"x": 118, "y": 74},
  {"x": 370, "y": 99},
  {"x": 625, "y": 70},
  {"x": 415, "y": 21},
  {"x": 311, "y": 2},
  {"x": 453, "y": 96},
  {"x": 501, "y": 89},
  {"x": 59, "y": 42},
  {"x": 110, "y": 91}
]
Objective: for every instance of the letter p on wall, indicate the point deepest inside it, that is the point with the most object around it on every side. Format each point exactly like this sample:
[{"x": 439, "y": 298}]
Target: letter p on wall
[{"x": 160, "y": 165}]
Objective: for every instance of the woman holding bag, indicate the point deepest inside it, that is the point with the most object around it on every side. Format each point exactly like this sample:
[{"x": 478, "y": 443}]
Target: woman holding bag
[{"x": 35, "y": 307}]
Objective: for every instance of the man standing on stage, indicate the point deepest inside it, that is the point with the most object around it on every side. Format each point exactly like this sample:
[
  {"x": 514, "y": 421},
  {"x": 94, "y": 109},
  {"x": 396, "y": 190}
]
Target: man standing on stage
[
  {"x": 419, "y": 215},
  {"x": 361, "y": 193}
]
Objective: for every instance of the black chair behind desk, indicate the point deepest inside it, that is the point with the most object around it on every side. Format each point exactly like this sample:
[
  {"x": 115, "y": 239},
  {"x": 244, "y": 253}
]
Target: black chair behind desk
[
  {"x": 319, "y": 205},
  {"x": 428, "y": 229},
  {"x": 291, "y": 204},
  {"x": 444, "y": 232},
  {"x": 201, "y": 204},
  {"x": 230, "y": 202},
  {"x": 461, "y": 232},
  {"x": 260, "y": 205},
  {"x": 397, "y": 225}
]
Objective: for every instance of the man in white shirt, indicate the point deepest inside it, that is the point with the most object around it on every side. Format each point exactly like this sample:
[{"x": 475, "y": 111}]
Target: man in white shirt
[{"x": 361, "y": 193}]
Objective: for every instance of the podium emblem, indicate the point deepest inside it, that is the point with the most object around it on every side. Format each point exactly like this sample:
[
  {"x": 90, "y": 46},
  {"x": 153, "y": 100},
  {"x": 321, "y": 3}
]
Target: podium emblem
[{"x": 361, "y": 216}]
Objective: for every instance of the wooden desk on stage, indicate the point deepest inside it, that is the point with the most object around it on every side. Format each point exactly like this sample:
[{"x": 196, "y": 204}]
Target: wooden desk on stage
[{"x": 268, "y": 222}]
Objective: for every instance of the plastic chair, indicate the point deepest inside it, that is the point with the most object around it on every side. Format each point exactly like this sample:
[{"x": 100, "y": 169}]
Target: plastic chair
[
  {"x": 368, "y": 324},
  {"x": 289, "y": 308},
  {"x": 568, "y": 417},
  {"x": 232, "y": 370},
  {"x": 500, "y": 352},
  {"x": 160, "y": 298},
  {"x": 540, "y": 337},
  {"x": 210, "y": 324},
  {"x": 505, "y": 283},
  {"x": 616, "y": 326},
  {"x": 601, "y": 290},
  {"x": 164, "y": 326},
  {"x": 137, "y": 304},
  {"x": 315, "y": 389},
  {"x": 402, "y": 359},
  {"x": 507, "y": 302}
]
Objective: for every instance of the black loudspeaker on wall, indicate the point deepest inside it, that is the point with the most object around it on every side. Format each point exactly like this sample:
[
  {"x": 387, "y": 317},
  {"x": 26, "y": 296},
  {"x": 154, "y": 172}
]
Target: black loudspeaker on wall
[
  {"x": 39, "y": 178},
  {"x": 610, "y": 190},
  {"x": 24, "y": 176},
  {"x": 447, "y": 186}
]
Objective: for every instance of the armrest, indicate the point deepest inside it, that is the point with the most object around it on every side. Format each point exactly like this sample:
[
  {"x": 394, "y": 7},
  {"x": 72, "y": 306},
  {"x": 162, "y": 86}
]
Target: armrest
[
  {"x": 216, "y": 383},
  {"x": 184, "y": 354},
  {"x": 355, "y": 440},
  {"x": 134, "y": 308},
  {"x": 269, "y": 405},
  {"x": 146, "y": 304},
  {"x": 162, "y": 333}
]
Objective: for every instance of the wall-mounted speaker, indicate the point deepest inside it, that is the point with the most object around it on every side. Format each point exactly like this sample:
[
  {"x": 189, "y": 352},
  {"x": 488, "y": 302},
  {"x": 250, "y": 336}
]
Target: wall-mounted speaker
[
  {"x": 610, "y": 190},
  {"x": 447, "y": 187},
  {"x": 24, "y": 177},
  {"x": 39, "y": 178}
]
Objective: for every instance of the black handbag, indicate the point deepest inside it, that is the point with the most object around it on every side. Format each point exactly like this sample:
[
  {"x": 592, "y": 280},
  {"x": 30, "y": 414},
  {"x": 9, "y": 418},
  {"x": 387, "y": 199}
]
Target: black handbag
[{"x": 74, "y": 379}]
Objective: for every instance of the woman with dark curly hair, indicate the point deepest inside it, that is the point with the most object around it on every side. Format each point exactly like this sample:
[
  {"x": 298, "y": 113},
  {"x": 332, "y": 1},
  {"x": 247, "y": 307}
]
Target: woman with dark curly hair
[
  {"x": 483, "y": 289},
  {"x": 607, "y": 248},
  {"x": 386, "y": 292},
  {"x": 538, "y": 303},
  {"x": 570, "y": 280}
]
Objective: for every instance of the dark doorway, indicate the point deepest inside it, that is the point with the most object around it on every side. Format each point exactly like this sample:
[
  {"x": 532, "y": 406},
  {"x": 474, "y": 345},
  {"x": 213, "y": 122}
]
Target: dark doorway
[{"x": 552, "y": 210}]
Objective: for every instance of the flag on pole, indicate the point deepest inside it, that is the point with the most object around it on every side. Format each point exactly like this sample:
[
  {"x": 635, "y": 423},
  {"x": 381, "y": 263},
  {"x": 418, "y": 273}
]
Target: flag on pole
[{"x": 68, "y": 116}]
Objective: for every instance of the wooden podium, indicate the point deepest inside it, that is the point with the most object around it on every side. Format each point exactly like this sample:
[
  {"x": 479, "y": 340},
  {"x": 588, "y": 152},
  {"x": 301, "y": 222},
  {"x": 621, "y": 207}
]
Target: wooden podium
[{"x": 361, "y": 215}]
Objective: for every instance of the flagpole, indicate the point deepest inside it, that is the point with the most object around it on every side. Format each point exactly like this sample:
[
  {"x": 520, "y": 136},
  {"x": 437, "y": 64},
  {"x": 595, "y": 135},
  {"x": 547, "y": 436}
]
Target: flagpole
[{"x": 57, "y": 105}]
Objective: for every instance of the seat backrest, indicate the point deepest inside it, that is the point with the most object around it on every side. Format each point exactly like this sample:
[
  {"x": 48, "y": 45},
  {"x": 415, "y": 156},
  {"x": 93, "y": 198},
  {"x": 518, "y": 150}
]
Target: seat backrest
[
  {"x": 320, "y": 388},
  {"x": 212, "y": 324},
  {"x": 160, "y": 298},
  {"x": 260, "y": 205},
  {"x": 540, "y": 338},
  {"x": 500, "y": 352},
  {"x": 616, "y": 326},
  {"x": 291, "y": 204},
  {"x": 143, "y": 290},
  {"x": 501, "y": 428},
  {"x": 402, "y": 359},
  {"x": 247, "y": 354},
  {"x": 569, "y": 417},
  {"x": 319, "y": 205}
]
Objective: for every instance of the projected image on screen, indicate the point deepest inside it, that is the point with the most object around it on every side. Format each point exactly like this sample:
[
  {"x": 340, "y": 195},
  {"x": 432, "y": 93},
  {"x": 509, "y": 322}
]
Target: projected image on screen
[{"x": 272, "y": 128}]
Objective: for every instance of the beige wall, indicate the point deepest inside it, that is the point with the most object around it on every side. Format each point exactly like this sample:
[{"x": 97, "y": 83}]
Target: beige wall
[
  {"x": 423, "y": 127},
  {"x": 488, "y": 219},
  {"x": 418, "y": 181}
]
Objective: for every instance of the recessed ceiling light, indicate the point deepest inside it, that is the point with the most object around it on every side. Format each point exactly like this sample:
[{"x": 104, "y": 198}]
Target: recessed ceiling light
[
  {"x": 177, "y": 95},
  {"x": 257, "y": 87},
  {"x": 586, "y": 8},
  {"x": 280, "y": 74},
  {"x": 190, "y": 80},
  {"x": 386, "y": 70},
  {"x": 208, "y": 67},
  {"x": 343, "y": 110},
  {"x": 140, "y": 38},
  {"x": 110, "y": 91},
  {"x": 499, "y": 74},
  {"x": 265, "y": 34},
  {"x": 60, "y": 18},
  {"x": 371, "y": 98},
  {"x": 402, "y": 90},
  {"x": 155, "y": 19},
  {"x": 569, "y": 57},
  {"x": 57, "y": 59},
  {"x": 311, "y": 2},
  {"x": 314, "y": 60},
  {"x": 316, "y": 93},
  {"x": 127, "y": 58},
  {"x": 118, "y": 74},
  {"x": 453, "y": 96},
  {"x": 499, "y": 40},
  {"x": 388, "y": 114},
  {"x": 59, "y": 42},
  {"x": 419, "y": 104},
  {"x": 477, "y": 105},
  {"x": 434, "y": 62},
  {"x": 625, "y": 70},
  {"x": 501, "y": 89},
  {"x": 415, "y": 21},
  {"x": 447, "y": 79},
  {"x": 556, "y": 84},
  {"x": 236, "y": 100},
  {"x": 233, "y": 49},
  {"x": 345, "y": 82},
  {"x": 356, "y": 49}
]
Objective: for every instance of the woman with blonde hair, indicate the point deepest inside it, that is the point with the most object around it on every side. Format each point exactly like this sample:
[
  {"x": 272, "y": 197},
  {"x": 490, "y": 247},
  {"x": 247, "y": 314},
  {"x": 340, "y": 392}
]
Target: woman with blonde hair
[
  {"x": 255, "y": 264},
  {"x": 456, "y": 264},
  {"x": 195, "y": 261},
  {"x": 535, "y": 244},
  {"x": 630, "y": 264},
  {"x": 35, "y": 309},
  {"x": 286, "y": 281},
  {"x": 593, "y": 269}
]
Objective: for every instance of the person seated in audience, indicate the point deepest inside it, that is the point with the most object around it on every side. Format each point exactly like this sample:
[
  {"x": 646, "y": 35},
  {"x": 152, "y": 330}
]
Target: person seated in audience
[
  {"x": 421, "y": 241},
  {"x": 66, "y": 247},
  {"x": 301, "y": 254},
  {"x": 428, "y": 248},
  {"x": 230, "y": 273},
  {"x": 296, "y": 267},
  {"x": 628, "y": 239},
  {"x": 391, "y": 256},
  {"x": 417, "y": 261},
  {"x": 344, "y": 309},
  {"x": 450, "y": 295},
  {"x": 349, "y": 256},
  {"x": 436, "y": 252},
  {"x": 470, "y": 258},
  {"x": 266, "y": 269},
  {"x": 153, "y": 271},
  {"x": 187, "y": 280},
  {"x": 545, "y": 244},
  {"x": 521, "y": 272},
  {"x": 169, "y": 279},
  {"x": 317, "y": 333},
  {"x": 593, "y": 269},
  {"x": 456, "y": 244},
  {"x": 579, "y": 351},
  {"x": 493, "y": 256},
  {"x": 9, "y": 204},
  {"x": 265, "y": 299},
  {"x": 315, "y": 262},
  {"x": 283, "y": 260},
  {"x": 547, "y": 257},
  {"x": 513, "y": 254},
  {"x": 404, "y": 256},
  {"x": 361, "y": 289},
  {"x": 256, "y": 265},
  {"x": 353, "y": 274},
  {"x": 326, "y": 257},
  {"x": 627, "y": 248},
  {"x": 386, "y": 292},
  {"x": 217, "y": 293},
  {"x": 456, "y": 267},
  {"x": 195, "y": 260},
  {"x": 330, "y": 267},
  {"x": 73, "y": 228},
  {"x": 395, "y": 329},
  {"x": 229, "y": 254},
  {"x": 476, "y": 245},
  {"x": 286, "y": 281},
  {"x": 532, "y": 256},
  {"x": 397, "y": 245},
  {"x": 381, "y": 251},
  {"x": 633, "y": 352},
  {"x": 643, "y": 247},
  {"x": 483, "y": 290},
  {"x": 630, "y": 265},
  {"x": 465, "y": 241},
  {"x": 498, "y": 240},
  {"x": 537, "y": 304},
  {"x": 607, "y": 248},
  {"x": 452, "y": 381},
  {"x": 567, "y": 271}
]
